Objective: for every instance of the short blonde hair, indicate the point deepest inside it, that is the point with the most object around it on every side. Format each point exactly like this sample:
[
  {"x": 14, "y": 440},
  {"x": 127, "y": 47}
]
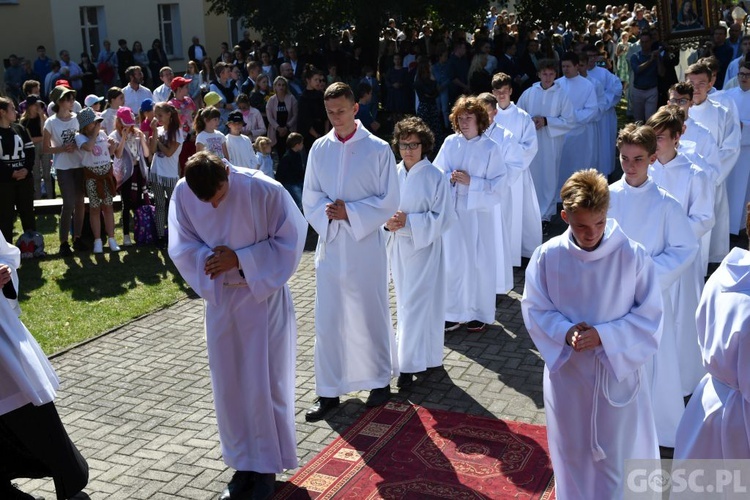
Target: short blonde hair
[
  {"x": 587, "y": 190},
  {"x": 260, "y": 142}
]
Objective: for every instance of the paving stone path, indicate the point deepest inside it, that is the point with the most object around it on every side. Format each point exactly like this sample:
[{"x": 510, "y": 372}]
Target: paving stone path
[{"x": 137, "y": 400}]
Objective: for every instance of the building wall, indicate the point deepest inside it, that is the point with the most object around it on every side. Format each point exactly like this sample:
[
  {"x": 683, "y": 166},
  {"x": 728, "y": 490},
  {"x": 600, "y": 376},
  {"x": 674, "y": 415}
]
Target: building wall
[{"x": 56, "y": 24}]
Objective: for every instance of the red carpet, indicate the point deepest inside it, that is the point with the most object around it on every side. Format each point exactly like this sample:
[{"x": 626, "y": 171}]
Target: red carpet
[{"x": 404, "y": 451}]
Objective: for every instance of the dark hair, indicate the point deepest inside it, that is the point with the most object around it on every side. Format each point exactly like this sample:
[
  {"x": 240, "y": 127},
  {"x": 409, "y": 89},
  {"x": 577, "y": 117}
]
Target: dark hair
[
  {"x": 682, "y": 88},
  {"x": 500, "y": 80},
  {"x": 205, "y": 114},
  {"x": 311, "y": 71},
  {"x": 294, "y": 139},
  {"x": 363, "y": 89},
  {"x": 572, "y": 57},
  {"x": 699, "y": 68},
  {"x": 668, "y": 118},
  {"x": 339, "y": 89},
  {"x": 205, "y": 173},
  {"x": 131, "y": 70},
  {"x": 113, "y": 93},
  {"x": 28, "y": 85},
  {"x": 413, "y": 126}
]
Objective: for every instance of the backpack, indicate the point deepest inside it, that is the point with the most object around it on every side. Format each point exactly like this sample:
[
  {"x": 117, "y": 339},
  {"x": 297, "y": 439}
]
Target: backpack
[
  {"x": 31, "y": 244},
  {"x": 145, "y": 222}
]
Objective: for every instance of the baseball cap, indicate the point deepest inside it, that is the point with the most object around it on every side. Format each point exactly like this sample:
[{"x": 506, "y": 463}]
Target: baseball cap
[
  {"x": 92, "y": 99},
  {"x": 178, "y": 82},
  {"x": 59, "y": 92},
  {"x": 86, "y": 117},
  {"x": 147, "y": 104},
  {"x": 236, "y": 117},
  {"x": 125, "y": 115},
  {"x": 63, "y": 82},
  {"x": 211, "y": 99}
]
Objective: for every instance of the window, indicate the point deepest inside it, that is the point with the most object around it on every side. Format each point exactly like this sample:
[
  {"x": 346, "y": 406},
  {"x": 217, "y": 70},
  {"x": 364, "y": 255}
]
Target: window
[
  {"x": 93, "y": 29},
  {"x": 170, "y": 31},
  {"x": 236, "y": 30}
]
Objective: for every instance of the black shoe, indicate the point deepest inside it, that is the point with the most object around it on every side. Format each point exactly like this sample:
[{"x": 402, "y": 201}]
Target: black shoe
[
  {"x": 265, "y": 486},
  {"x": 452, "y": 326},
  {"x": 378, "y": 397},
  {"x": 666, "y": 453},
  {"x": 405, "y": 380},
  {"x": 161, "y": 243},
  {"x": 65, "y": 250},
  {"x": 475, "y": 326},
  {"x": 11, "y": 492},
  {"x": 80, "y": 246},
  {"x": 320, "y": 408},
  {"x": 240, "y": 486}
]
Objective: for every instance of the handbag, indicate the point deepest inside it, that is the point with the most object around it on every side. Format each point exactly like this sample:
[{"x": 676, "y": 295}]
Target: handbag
[{"x": 145, "y": 222}]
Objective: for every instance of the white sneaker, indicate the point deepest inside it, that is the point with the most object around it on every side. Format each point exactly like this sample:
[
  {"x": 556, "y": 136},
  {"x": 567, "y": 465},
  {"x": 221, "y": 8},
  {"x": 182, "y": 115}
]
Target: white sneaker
[
  {"x": 126, "y": 241},
  {"x": 98, "y": 247},
  {"x": 113, "y": 246}
]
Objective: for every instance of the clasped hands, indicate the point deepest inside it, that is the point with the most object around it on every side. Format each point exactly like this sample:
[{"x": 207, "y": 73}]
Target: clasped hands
[
  {"x": 396, "y": 222},
  {"x": 337, "y": 210},
  {"x": 583, "y": 337},
  {"x": 538, "y": 122},
  {"x": 222, "y": 260},
  {"x": 5, "y": 275},
  {"x": 460, "y": 177}
]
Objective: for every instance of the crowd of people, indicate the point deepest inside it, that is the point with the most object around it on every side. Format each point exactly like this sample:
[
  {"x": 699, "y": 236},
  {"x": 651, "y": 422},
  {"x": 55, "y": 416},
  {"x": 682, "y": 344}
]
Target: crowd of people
[{"x": 494, "y": 128}]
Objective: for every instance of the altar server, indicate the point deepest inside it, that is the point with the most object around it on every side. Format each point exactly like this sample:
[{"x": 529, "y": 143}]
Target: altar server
[
  {"x": 526, "y": 228},
  {"x": 739, "y": 179},
  {"x": 690, "y": 186},
  {"x": 415, "y": 251},
  {"x": 350, "y": 191},
  {"x": 237, "y": 237},
  {"x": 477, "y": 171},
  {"x": 716, "y": 423},
  {"x": 553, "y": 116},
  {"x": 592, "y": 305},
  {"x": 33, "y": 440},
  {"x": 650, "y": 216},
  {"x": 607, "y": 123},
  {"x": 724, "y": 127}
]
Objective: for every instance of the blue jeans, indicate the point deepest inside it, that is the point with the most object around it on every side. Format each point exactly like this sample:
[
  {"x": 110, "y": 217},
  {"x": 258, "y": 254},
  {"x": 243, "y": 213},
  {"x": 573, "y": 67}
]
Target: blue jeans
[{"x": 296, "y": 191}]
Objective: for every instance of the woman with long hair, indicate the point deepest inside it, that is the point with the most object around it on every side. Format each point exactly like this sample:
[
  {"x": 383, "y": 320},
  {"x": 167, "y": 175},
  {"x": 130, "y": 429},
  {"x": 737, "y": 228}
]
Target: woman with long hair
[
  {"x": 281, "y": 112},
  {"x": 207, "y": 74},
  {"x": 141, "y": 59},
  {"x": 260, "y": 95}
]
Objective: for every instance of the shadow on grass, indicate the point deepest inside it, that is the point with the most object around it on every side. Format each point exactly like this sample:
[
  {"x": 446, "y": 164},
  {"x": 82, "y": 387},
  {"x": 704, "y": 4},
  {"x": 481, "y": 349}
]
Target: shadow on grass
[{"x": 91, "y": 277}]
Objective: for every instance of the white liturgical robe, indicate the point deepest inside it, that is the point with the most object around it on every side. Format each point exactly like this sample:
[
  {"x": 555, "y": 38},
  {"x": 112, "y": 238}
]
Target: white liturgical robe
[
  {"x": 26, "y": 376},
  {"x": 526, "y": 228},
  {"x": 597, "y": 402},
  {"x": 470, "y": 243},
  {"x": 418, "y": 267},
  {"x": 650, "y": 216},
  {"x": 716, "y": 424},
  {"x": 690, "y": 186},
  {"x": 580, "y": 149},
  {"x": 355, "y": 348},
  {"x": 554, "y": 105},
  {"x": 504, "y": 211},
  {"x": 612, "y": 87},
  {"x": 251, "y": 332},
  {"x": 738, "y": 180},
  {"x": 724, "y": 127}
]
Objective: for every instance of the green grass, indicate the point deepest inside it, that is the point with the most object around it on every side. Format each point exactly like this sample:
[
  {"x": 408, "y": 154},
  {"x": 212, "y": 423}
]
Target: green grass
[{"x": 67, "y": 300}]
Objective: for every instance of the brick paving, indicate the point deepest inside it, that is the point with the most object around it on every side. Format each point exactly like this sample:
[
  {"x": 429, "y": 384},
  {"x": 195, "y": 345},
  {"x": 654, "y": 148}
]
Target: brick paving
[{"x": 137, "y": 400}]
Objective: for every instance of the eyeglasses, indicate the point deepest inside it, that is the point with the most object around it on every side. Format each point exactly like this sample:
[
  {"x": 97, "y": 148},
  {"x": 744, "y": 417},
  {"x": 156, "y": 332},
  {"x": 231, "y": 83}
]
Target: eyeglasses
[
  {"x": 679, "y": 102},
  {"x": 743, "y": 75},
  {"x": 408, "y": 145}
]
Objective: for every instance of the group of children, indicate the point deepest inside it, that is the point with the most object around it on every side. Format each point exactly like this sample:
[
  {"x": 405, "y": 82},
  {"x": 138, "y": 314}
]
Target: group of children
[{"x": 122, "y": 152}]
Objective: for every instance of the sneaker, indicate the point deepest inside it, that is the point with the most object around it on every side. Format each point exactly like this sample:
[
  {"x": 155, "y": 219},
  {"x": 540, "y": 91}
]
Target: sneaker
[
  {"x": 65, "y": 250},
  {"x": 80, "y": 246},
  {"x": 98, "y": 246},
  {"x": 452, "y": 326},
  {"x": 475, "y": 326},
  {"x": 113, "y": 246},
  {"x": 126, "y": 241}
]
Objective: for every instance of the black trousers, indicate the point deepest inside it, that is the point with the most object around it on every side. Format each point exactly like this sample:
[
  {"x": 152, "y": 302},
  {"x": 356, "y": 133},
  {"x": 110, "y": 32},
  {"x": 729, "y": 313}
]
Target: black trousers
[
  {"x": 17, "y": 196},
  {"x": 34, "y": 444}
]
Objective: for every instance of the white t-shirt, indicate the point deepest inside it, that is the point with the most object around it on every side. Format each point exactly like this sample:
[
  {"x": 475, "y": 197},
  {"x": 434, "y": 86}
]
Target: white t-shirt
[
  {"x": 163, "y": 165},
  {"x": 63, "y": 132},
  {"x": 241, "y": 153},
  {"x": 99, "y": 155},
  {"x": 212, "y": 142}
]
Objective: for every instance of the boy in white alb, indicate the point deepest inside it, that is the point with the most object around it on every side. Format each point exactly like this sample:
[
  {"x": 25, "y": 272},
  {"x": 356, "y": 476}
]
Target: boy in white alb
[{"x": 592, "y": 305}]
